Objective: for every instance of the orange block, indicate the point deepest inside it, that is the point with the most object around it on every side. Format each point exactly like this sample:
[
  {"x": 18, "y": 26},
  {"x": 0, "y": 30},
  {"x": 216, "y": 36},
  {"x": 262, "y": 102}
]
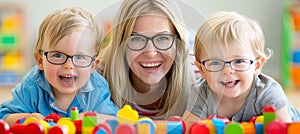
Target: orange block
[
  {"x": 296, "y": 75},
  {"x": 161, "y": 127},
  {"x": 294, "y": 128}
]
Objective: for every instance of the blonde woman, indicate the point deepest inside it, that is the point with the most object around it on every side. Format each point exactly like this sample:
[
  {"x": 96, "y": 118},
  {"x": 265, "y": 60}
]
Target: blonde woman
[{"x": 146, "y": 63}]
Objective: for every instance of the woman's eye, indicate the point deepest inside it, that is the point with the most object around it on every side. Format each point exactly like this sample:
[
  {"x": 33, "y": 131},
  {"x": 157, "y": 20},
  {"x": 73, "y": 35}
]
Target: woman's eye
[{"x": 137, "y": 39}]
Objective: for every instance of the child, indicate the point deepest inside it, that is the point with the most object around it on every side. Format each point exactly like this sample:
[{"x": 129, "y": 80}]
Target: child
[
  {"x": 229, "y": 52},
  {"x": 65, "y": 76}
]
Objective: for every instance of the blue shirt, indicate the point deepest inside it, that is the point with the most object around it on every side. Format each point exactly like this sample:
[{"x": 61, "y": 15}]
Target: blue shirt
[{"x": 34, "y": 95}]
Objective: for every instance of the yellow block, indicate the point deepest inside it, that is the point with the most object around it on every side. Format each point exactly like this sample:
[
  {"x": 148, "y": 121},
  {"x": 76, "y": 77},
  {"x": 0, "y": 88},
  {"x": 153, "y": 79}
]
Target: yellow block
[{"x": 143, "y": 128}]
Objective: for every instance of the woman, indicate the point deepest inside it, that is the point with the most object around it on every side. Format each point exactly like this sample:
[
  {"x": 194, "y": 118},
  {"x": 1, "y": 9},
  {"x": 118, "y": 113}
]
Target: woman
[{"x": 146, "y": 62}]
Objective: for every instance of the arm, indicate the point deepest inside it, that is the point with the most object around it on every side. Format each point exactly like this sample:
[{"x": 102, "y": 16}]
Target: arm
[
  {"x": 12, "y": 118},
  {"x": 283, "y": 114},
  {"x": 189, "y": 119}
]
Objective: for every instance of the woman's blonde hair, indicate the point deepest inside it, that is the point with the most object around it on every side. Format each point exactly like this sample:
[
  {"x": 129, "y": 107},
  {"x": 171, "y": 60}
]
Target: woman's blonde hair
[
  {"x": 115, "y": 67},
  {"x": 226, "y": 28},
  {"x": 62, "y": 22}
]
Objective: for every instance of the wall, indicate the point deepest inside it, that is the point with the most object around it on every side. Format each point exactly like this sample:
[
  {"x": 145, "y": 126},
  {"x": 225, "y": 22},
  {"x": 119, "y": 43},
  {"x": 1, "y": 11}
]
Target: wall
[{"x": 195, "y": 12}]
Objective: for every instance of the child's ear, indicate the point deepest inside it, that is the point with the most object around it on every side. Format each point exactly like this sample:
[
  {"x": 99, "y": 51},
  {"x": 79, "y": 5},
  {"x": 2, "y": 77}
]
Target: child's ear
[
  {"x": 39, "y": 62},
  {"x": 258, "y": 65},
  {"x": 96, "y": 64},
  {"x": 198, "y": 64}
]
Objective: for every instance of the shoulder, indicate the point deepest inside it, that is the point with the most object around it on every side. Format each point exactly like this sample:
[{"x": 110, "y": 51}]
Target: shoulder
[
  {"x": 266, "y": 83},
  {"x": 33, "y": 79},
  {"x": 98, "y": 79},
  {"x": 201, "y": 88},
  {"x": 269, "y": 91}
]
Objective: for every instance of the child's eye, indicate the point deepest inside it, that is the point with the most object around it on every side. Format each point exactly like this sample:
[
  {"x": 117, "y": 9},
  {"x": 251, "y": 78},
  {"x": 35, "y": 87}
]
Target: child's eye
[
  {"x": 239, "y": 61},
  {"x": 79, "y": 57},
  {"x": 57, "y": 55},
  {"x": 214, "y": 63}
]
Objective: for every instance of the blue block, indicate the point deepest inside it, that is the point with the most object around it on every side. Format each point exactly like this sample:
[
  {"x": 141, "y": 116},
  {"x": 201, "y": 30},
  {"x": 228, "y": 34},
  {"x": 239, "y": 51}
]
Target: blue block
[
  {"x": 259, "y": 128},
  {"x": 101, "y": 131},
  {"x": 113, "y": 123},
  {"x": 151, "y": 124},
  {"x": 174, "y": 127},
  {"x": 296, "y": 56},
  {"x": 219, "y": 125}
]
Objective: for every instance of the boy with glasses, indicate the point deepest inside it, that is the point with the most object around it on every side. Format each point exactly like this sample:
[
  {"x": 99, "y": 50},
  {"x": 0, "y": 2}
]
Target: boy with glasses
[
  {"x": 229, "y": 52},
  {"x": 64, "y": 77}
]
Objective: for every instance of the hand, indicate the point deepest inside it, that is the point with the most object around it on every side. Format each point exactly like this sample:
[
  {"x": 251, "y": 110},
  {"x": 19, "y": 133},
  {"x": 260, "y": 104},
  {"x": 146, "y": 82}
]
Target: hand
[{"x": 36, "y": 115}]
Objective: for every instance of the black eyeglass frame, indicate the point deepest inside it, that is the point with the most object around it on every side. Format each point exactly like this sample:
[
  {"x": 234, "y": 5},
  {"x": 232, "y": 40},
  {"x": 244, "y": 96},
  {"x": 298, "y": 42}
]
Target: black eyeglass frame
[
  {"x": 226, "y": 62},
  {"x": 68, "y": 56},
  {"x": 151, "y": 38}
]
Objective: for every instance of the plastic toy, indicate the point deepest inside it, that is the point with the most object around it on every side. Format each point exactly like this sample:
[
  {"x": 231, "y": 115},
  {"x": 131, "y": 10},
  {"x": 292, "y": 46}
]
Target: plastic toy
[{"x": 132, "y": 124}]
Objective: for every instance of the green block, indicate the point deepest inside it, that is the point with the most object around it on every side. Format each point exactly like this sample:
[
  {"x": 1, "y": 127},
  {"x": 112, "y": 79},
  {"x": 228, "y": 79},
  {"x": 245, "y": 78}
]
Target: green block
[
  {"x": 89, "y": 121},
  {"x": 233, "y": 128},
  {"x": 8, "y": 40}
]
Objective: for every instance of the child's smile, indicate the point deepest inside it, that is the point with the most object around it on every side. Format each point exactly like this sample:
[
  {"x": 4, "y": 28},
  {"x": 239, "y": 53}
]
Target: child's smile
[
  {"x": 230, "y": 83},
  {"x": 67, "y": 80}
]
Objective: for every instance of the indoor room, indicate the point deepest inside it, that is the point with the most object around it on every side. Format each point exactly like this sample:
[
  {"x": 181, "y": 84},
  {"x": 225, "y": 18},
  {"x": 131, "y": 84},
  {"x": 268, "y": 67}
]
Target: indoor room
[{"x": 279, "y": 20}]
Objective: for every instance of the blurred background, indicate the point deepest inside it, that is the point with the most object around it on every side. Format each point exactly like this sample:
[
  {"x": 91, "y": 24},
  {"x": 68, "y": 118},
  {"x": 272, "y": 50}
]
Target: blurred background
[{"x": 280, "y": 20}]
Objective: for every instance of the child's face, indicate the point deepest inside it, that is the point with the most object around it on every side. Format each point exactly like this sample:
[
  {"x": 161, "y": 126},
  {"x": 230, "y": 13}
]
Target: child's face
[
  {"x": 228, "y": 82},
  {"x": 67, "y": 78},
  {"x": 151, "y": 64}
]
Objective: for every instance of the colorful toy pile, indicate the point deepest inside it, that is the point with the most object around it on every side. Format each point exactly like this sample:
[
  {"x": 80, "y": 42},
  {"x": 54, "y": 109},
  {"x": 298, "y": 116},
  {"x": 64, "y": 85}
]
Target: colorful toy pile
[{"x": 128, "y": 122}]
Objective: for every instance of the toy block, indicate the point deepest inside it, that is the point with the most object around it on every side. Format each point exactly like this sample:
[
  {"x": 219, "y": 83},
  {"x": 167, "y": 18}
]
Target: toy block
[
  {"x": 174, "y": 127},
  {"x": 161, "y": 127},
  {"x": 199, "y": 128},
  {"x": 143, "y": 129},
  {"x": 89, "y": 119},
  {"x": 17, "y": 129},
  {"x": 210, "y": 125},
  {"x": 30, "y": 120},
  {"x": 259, "y": 119},
  {"x": 34, "y": 128},
  {"x": 149, "y": 122},
  {"x": 269, "y": 114},
  {"x": 74, "y": 114},
  {"x": 248, "y": 127},
  {"x": 100, "y": 131},
  {"x": 219, "y": 125},
  {"x": 20, "y": 121},
  {"x": 4, "y": 127},
  {"x": 113, "y": 123},
  {"x": 103, "y": 128},
  {"x": 68, "y": 124},
  {"x": 276, "y": 127},
  {"x": 233, "y": 128},
  {"x": 45, "y": 125},
  {"x": 127, "y": 115},
  {"x": 87, "y": 130},
  {"x": 294, "y": 128},
  {"x": 178, "y": 118},
  {"x": 78, "y": 125},
  {"x": 54, "y": 117},
  {"x": 259, "y": 128},
  {"x": 125, "y": 129},
  {"x": 58, "y": 129}
]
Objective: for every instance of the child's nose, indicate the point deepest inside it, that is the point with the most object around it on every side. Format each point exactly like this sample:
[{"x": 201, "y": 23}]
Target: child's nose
[
  {"x": 228, "y": 69},
  {"x": 68, "y": 64}
]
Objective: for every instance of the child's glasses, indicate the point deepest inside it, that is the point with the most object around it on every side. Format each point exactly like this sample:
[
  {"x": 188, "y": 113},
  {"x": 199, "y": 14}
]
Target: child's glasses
[
  {"x": 137, "y": 42},
  {"x": 213, "y": 65},
  {"x": 59, "y": 58}
]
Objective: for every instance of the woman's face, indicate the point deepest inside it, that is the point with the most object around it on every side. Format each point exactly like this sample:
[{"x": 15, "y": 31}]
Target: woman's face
[{"x": 150, "y": 64}]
